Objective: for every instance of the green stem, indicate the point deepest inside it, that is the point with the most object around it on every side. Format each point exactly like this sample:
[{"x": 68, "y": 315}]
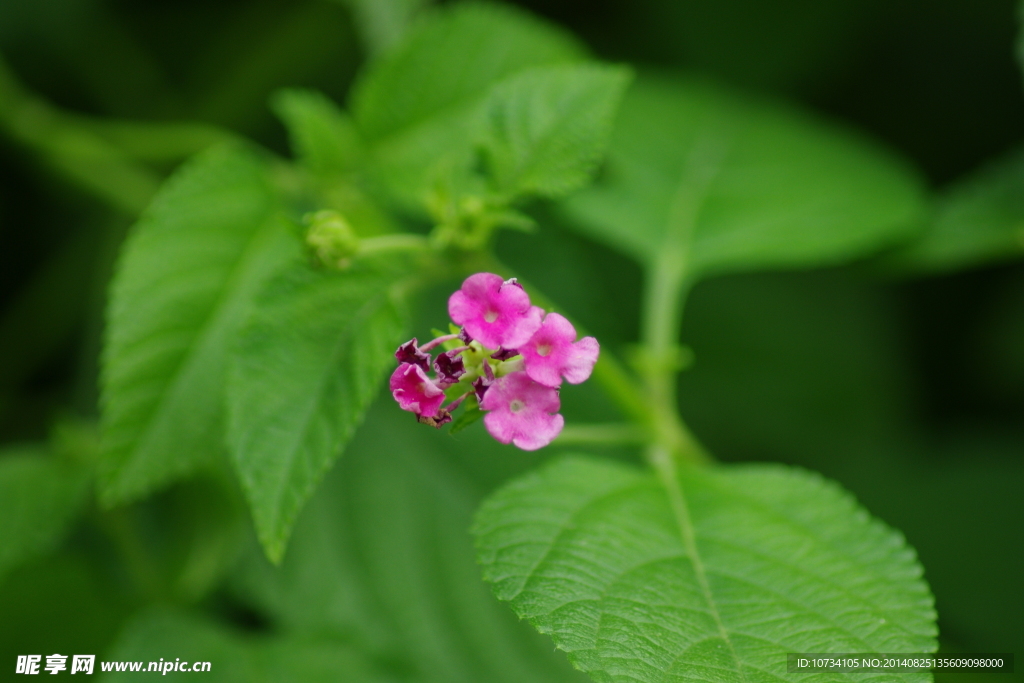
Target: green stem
[
  {"x": 101, "y": 156},
  {"x": 398, "y": 242},
  {"x": 669, "y": 278},
  {"x": 72, "y": 149},
  {"x": 602, "y": 434}
]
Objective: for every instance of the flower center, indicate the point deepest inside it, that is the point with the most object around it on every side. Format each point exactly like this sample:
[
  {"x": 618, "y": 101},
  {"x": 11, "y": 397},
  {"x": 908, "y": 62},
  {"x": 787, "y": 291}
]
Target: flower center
[
  {"x": 516, "y": 405},
  {"x": 543, "y": 349},
  {"x": 491, "y": 316}
]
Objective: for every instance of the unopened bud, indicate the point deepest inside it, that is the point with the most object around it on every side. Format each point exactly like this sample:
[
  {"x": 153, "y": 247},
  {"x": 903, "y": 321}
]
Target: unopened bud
[{"x": 331, "y": 237}]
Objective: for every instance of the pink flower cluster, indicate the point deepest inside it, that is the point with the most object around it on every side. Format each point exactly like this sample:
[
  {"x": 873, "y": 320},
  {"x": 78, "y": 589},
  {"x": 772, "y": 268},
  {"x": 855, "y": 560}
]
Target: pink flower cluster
[{"x": 508, "y": 356}]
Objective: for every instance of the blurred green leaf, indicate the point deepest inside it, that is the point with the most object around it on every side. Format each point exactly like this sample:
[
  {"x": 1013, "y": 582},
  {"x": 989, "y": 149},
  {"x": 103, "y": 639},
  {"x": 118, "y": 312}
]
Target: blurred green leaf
[
  {"x": 40, "y": 498},
  {"x": 382, "y": 558},
  {"x": 728, "y": 184},
  {"x": 452, "y": 58},
  {"x": 747, "y": 564},
  {"x": 417, "y": 106},
  {"x": 234, "y": 656},
  {"x": 471, "y": 413},
  {"x": 184, "y": 282},
  {"x": 306, "y": 366},
  {"x": 978, "y": 220},
  {"x": 546, "y": 129},
  {"x": 62, "y": 602},
  {"x": 323, "y": 137}
]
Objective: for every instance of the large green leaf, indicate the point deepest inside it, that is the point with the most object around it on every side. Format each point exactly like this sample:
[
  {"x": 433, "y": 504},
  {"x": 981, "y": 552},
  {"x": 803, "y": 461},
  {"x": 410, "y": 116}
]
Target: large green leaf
[
  {"x": 715, "y": 578},
  {"x": 184, "y": 282},
  {"x": 418, "y": 106},
  {"x": 546, "y": 129},
  {"x": 382, "y": 557},
  {"x": 453, "y": 58},
  {"x": 979, "y": 220},
  {"x": 722, "y": 183},
  {"x": 234, "y": 656},
  {"x": 39, "y": 498},
  {"x": 306, "y": 366}
]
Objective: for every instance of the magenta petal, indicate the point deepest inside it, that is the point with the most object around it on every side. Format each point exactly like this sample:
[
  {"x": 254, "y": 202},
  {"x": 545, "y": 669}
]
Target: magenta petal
[
  {"x": 581, "y": 361},
  {"x": 522, "y": 412},
  {"x": 523, "y": 327},
  {"x": 414, "y": 391},
  {"x": 492, "y": 312},
  {"x": 551, "y": 353},
  {"x": 542, "y": 432}
]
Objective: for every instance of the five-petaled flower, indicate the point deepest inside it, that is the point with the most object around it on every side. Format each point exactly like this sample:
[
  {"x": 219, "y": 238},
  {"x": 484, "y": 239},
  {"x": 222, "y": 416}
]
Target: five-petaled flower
[
  {"x": 508, "y": 358},
  {"x": 495, "y": 312},
  {"x": 553, "y": 353},
  {"x": 522, "y": 411}
]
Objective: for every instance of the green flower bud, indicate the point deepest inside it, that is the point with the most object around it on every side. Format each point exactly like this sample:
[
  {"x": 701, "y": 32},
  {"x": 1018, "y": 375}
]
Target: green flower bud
[{"x": 331, "y": 237}]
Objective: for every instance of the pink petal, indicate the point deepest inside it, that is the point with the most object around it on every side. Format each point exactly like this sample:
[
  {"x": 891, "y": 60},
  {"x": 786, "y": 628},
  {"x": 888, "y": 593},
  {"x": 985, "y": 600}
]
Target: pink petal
[
  {"x": 466, "y": 303},
  {"x": 560, "y": 357},
  {"x": 542, "y": 433},
  {"x": 414, "y": 391},
  {"x": 581, "y": 360}
]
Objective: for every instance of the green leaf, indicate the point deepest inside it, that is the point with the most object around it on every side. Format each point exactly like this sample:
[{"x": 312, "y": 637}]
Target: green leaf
[
  {"x": 381, "y": 556},
  {"x": 714, "y": 580},
  {"x": 452, "y": 58},
  {"x": 306, "y": 366},
  {"x": 63, "y": 601},
  {"x": 547, "y": 128},
  {"x": 722, "y": 183},
  {"x": 234, "y": 656},
  {"x": 978, "y": 220},
  {"x": 470, "y": 414},
  {"x": 418, "y": 106},
  {"x": 185, "y": 280},
  {"x": 323, "y": 137},
  {"x": 41, "y": 497}
]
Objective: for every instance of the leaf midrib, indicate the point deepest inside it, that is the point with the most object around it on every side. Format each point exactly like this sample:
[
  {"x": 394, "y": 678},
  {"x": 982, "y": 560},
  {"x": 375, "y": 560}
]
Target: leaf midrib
[{"x": 680, "y": 510}]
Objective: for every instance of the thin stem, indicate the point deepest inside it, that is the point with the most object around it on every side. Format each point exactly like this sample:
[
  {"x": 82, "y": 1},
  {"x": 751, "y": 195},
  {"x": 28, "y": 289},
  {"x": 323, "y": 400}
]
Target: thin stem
[
  {"x": 73, "y": 149},
  {"x": 398, "y": 242},
  {"x": 626, "y": 434},
  {"x": 668, "y": 282},
  {"x": 457, "y": 402},
  {"x": 440, "y": 340}
]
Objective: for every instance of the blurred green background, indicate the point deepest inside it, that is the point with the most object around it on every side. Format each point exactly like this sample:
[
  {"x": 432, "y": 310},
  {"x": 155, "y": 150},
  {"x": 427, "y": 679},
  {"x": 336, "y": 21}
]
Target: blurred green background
[{"x": 907, "y": 390}]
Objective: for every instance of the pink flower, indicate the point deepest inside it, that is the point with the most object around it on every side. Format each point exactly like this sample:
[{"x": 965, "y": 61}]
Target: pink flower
[
  {"x": 551, "y": 353},
  {"x": 522, "y": 411},
  {"x": 494, "y": 312},
  {"x": 414, "y": 391}
]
